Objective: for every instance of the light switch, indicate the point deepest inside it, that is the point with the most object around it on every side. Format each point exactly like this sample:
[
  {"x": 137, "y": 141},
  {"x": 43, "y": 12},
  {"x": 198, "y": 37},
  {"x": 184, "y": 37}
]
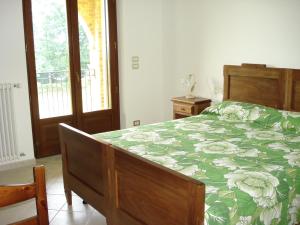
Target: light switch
[{"x": 135, "y": 62}]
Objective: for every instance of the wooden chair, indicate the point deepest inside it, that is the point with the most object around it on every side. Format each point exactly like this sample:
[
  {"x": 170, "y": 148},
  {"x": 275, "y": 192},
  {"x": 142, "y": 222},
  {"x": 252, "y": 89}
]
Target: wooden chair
[{"x": 11, "y": 194}]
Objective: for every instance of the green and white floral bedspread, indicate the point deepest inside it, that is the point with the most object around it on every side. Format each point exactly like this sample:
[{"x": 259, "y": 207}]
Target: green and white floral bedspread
[{"x": 247, "y": 155}]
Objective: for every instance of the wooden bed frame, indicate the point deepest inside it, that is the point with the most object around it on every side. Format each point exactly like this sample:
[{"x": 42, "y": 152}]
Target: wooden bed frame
[{"x": 130, "y": 190}]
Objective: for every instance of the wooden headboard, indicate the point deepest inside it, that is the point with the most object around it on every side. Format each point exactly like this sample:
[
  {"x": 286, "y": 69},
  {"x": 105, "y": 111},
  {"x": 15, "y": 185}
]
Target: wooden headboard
[{"x": 255, "y": 83}]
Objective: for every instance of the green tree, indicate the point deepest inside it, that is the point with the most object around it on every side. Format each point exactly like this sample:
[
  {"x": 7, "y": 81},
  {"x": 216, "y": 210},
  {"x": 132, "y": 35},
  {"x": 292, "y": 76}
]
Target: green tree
[{"x": 51, "y": 37}]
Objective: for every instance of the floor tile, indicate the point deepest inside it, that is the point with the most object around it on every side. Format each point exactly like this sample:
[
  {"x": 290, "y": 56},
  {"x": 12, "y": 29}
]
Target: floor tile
[
  {"x": 18, "y": 176},
  {"x": 56, "y": 188},
  {"x": 17, "y": 212},
  {"x": 56, "y": 202},
  {"x": 51, "y": 214},
  {"x": 96, "y": 219},
  {"x": 78, "y": 206},
  {"x": 70, "y": 218}
]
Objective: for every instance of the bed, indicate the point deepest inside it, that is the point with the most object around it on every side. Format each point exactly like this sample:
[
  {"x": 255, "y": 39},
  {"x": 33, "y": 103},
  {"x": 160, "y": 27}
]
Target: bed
[{"x": 237, "y": 163}]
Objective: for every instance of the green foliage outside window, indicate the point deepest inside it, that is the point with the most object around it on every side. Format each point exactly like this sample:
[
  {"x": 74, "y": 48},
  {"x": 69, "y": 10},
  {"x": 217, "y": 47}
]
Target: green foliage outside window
[{"x": 51, "y": 38}]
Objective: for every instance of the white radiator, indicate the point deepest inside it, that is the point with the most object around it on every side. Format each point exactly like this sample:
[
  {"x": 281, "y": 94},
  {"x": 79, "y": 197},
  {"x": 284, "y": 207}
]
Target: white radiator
[{"x": 8, "y": 142}]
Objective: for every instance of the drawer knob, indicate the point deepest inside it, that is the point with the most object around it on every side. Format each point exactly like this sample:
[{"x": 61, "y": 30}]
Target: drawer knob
[{"x": 182, "y": 109}]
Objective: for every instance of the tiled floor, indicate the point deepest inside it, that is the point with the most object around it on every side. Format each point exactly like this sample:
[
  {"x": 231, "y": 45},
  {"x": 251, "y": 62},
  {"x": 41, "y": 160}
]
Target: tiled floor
[{"x": 59, "y": 212}]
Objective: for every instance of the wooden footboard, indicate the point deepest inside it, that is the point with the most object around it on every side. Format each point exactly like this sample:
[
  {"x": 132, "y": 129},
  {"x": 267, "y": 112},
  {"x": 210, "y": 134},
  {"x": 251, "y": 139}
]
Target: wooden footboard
[
  {"x": 84, "y": 167},
  {"x": 126, "y": 188},
  {"x": 144, "y": 193}
]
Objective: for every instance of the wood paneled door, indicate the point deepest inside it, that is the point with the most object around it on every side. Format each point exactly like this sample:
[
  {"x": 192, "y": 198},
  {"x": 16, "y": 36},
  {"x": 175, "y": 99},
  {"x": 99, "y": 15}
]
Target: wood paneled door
[{"x": 72, "y": 63}]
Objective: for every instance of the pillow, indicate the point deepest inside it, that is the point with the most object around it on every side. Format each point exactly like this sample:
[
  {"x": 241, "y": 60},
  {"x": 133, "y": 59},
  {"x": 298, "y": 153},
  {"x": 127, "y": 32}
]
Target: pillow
[
  {"x": 241, "y": 111},
  {"x": 290, "y": 121}
]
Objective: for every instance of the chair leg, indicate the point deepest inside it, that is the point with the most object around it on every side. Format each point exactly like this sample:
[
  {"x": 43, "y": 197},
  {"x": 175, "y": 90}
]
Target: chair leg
[{"x": 68, "y": 195}]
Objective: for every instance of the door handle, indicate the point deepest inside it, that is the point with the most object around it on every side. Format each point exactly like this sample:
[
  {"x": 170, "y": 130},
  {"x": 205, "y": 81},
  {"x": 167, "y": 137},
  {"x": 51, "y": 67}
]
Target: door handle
[{"x": 78, "y": 76}]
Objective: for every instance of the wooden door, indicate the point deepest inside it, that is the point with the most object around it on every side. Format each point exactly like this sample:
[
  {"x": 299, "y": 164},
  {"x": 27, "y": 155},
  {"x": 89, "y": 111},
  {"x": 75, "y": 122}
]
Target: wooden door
[{"x": 72, "y": 66}]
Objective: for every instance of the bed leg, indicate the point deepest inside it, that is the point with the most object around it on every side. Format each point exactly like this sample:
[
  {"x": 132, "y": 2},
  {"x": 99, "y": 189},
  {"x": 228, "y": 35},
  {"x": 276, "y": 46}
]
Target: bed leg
[
  {"x": 68, "y": 195},
  {"x": 84, "y": 202}
]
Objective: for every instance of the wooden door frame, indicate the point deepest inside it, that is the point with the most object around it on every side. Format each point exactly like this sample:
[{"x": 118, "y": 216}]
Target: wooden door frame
[
  {"x": 113, "y": 62},
  {"x": 74, "y": 65},
  {"x": 31, "y": 71},
  {"x": 74, "y": 55}
]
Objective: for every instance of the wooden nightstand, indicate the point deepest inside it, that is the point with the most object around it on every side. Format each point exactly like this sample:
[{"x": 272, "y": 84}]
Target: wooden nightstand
[{"x": 184, "y": 107}]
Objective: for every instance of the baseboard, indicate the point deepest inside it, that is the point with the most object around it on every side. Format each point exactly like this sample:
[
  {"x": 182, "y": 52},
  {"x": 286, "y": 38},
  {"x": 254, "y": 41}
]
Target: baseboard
[{"x": 17, "y": 164}]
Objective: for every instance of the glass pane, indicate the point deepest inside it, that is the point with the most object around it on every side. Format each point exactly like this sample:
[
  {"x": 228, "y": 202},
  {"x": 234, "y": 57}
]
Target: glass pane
[
  {"x": 52, "y": 57},
  {"x": 93, "y": 55}
]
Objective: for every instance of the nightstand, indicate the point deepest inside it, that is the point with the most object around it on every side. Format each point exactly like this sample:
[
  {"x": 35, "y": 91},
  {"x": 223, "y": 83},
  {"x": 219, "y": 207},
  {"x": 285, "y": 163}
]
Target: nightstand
[{"x": 184, "y": 107}]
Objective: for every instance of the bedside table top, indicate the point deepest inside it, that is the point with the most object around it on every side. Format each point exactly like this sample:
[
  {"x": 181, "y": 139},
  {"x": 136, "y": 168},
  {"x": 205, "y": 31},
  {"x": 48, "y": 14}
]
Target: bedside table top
[{"x": 196, "y": 100}]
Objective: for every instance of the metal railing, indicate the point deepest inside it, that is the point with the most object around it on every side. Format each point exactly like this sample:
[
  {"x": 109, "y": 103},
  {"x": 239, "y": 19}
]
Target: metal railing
[{"x": 54, "y": 93}]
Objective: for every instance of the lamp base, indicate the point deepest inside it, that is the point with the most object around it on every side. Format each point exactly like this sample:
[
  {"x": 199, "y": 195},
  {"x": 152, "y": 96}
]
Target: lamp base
[{"x": 190, "y": 96}]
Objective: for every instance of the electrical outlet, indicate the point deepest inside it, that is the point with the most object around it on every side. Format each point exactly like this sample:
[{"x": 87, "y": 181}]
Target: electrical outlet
[{"x": 136, "y": 123}]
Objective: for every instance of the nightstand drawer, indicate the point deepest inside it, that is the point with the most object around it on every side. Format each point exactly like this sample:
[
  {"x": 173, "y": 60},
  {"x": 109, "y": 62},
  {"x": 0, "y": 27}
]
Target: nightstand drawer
[
  {"x": 184, "y": 107},
  {"x": 187, "y": 109}
]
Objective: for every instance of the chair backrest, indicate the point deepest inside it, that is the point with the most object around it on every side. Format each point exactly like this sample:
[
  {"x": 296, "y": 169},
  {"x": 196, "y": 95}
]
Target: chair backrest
[{"x": 11, "y": 194}]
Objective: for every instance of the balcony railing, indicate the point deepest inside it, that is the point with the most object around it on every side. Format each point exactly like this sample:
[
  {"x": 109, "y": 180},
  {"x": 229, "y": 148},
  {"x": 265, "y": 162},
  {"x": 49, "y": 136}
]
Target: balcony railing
[{"x": 54, "y": 93}]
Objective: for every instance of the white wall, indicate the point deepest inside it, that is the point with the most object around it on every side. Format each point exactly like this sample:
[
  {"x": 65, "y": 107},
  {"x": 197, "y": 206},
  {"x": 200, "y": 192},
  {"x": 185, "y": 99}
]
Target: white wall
[
  {"x": 13, "y": 69},
  {"x": 170, "y": 73},
  {"x": 212, "y": 33},
  {"x": 140, "y": 34}
]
